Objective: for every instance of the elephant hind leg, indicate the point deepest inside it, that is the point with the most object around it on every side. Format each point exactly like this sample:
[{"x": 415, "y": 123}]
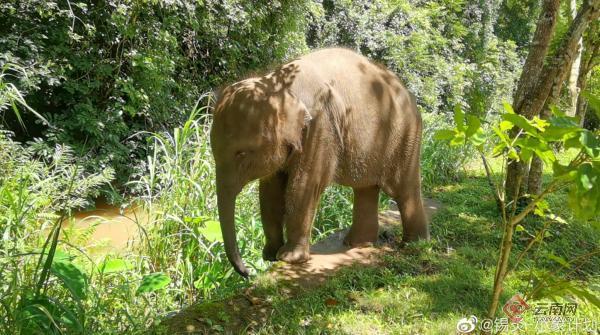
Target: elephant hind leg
[
  {"x": 365, "y": 225},
  {"x": 272, "y": 208},
  {"x": 410, "y": 204}
]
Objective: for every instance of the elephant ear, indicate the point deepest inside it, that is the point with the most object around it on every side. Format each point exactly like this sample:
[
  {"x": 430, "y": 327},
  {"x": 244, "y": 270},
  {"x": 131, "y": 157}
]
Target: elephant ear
[
  {"x": 222, "y": 97},
  {"x": 293, "y": 117}
]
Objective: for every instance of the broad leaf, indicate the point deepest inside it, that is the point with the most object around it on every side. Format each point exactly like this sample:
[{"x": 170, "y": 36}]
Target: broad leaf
[
  {"x": 153, "y": 282},
  {"x": 508, "y": 108},
  {"x": 459, "y": 139},
  {"x": 593, "y": 101},
  {"x": 71, "y": 277},
  {"x": 444, "y": 134},
  {"x": 563, "y": 171},
  {"x": 459, "y": 118},
  {"x": 473, "y": 125},
  {"x": 505, "y": 125},
  {"x": 520, "y": 122},
  {"x": 558, "y": 260},
  {"x": 590, "y": 143},
  {"x": 114, "y": 265},
  {"x": 587, "y": 176},
  {"x": 561, "y": 128},
  {"x": 478, "y": 138},
  {"x": 212, "y": 231}
]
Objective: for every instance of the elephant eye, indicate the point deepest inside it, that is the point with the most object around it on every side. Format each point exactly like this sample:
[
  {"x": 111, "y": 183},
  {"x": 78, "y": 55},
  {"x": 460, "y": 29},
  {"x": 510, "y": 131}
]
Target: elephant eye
[{"x": 240, "y": 154}]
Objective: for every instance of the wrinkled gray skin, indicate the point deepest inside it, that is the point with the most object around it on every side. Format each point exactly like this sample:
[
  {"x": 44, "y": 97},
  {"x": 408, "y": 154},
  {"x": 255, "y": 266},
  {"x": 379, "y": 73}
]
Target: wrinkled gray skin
[{"x": 328, "y": 117}]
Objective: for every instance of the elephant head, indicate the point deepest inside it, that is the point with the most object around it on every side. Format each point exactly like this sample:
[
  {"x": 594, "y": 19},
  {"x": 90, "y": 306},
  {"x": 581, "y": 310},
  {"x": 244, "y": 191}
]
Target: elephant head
[{"x": 254, "y": 134}]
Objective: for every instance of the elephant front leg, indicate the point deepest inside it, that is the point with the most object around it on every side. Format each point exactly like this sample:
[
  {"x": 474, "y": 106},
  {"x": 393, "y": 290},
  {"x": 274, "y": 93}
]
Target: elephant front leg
[
  {"x": 365, "y": 225},
  {"x": 272, "y": 207},
  {"x": 299, "y": 216}
]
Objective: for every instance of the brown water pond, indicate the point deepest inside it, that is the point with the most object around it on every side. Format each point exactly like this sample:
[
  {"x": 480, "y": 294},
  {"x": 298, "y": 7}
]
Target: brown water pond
[{"x": 107, "y": 228}]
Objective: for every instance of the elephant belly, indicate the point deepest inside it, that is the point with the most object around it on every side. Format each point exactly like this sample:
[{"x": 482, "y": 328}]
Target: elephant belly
[{"x": 358, "y": 172}]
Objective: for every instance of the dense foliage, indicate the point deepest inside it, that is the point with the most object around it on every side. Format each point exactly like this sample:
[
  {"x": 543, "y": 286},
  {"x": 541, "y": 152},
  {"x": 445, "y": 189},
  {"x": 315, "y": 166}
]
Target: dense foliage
[{"x": 102, "y": 71}]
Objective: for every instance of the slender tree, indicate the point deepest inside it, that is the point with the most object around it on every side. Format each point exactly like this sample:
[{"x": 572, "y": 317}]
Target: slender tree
[
  {"x": 557, "y": 70},
  {"x": 530, "y": 76},
  {"x": 541, "y": 81},
  {"x": 574, "y": 73},
  {"x": 589, "y": 60}
]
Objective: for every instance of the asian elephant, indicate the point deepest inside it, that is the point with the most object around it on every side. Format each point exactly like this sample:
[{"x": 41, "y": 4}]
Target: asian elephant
[{"x": 330, "y": 116}]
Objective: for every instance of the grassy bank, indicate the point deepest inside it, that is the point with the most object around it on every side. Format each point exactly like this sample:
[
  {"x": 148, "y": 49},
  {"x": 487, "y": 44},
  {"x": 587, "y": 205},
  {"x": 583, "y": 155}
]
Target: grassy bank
[
  {"x": 426, "y": 288},
  {"x": 178, "y": 260}
]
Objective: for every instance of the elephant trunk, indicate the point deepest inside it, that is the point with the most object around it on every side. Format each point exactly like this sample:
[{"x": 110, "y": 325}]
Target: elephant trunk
[{"x": 226, "y": 202}]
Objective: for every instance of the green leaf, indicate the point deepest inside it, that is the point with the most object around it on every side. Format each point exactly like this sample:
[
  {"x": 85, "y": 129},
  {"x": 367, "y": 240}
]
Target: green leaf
[
  {"x": 72, "y": 278},
  {"x": 541, "y": 149},
  {"x": 561, "y": 128},
  {"x": 584, "y": 294},
  {"x": 212, "y": 231},
  {"x": 473, "y": 125},
  {"x": 539, "y": 124},
  {"x": 593, "y": 101},
  {"x": 444, "y": 134},
  {"x": 525, "y": 154},
  {"x": 502, "y": 135},
  {"x": 559, "y": 170},
  {"x": 478, "y": 138},
  {"x": 505, "y": 125},
  {"x": 585, "y": 204},
  {"x": 459, "y": 139},
  {"x": 498, "y": 149},
  {"x": 153, "y": 282},
  {"x": 508, "y": 108},
  {"x": 541, "y": 207},
  {"x": 556, "y": 111},
  {"x": 587, "y": 176},
  {"x": 573, "y": 142},
  {"x": 459, "y": 118},
  {"x": 558, "y": 259},
  {"x": 591, "y": 143},
  {"x": 520, "y": 122},
  {"x": 114, "y": 265}
]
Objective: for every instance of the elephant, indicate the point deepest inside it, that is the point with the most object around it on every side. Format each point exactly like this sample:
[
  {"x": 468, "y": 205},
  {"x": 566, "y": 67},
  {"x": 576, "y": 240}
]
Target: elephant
[{"x": 330, "y": 116}]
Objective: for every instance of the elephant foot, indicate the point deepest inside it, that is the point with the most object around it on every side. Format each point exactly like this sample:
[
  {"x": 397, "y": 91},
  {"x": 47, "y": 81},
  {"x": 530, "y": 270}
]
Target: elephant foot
[
  {"x": 415, "y": 236},
  {"x": 270, "y": 252},
  {"x": 293, "y": 253},
  {"x": 358, "y": 241}
]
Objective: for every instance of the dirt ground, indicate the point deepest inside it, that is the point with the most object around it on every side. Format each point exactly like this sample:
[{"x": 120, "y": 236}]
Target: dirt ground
[{"x": 248, "y": 309}]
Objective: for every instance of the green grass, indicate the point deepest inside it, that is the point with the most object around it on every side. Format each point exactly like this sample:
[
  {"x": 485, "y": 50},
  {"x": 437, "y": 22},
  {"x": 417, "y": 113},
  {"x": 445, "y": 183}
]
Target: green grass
[{"x": 425, "y": 288}]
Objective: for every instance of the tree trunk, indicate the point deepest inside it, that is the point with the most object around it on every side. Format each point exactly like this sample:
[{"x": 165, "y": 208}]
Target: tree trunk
[
  {"x": 527, "y": 82},
  {"x": 545, "y": 88},
  {"x": 590, "y": 58},
  {"x": 574, "y": 73},
  {"x": 582, "y": 105}
]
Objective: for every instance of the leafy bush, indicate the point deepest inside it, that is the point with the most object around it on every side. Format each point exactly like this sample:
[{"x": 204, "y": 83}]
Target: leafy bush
[
  {"x": 440, "y": 163},
  {"x": 41, "y": 290},
  {"x": 100, "y": 71},
  {"x": 580, "y": 173}
]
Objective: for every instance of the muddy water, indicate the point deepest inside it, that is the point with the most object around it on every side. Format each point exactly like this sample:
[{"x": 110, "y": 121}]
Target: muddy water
[{"x": 115, "y": 230}]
